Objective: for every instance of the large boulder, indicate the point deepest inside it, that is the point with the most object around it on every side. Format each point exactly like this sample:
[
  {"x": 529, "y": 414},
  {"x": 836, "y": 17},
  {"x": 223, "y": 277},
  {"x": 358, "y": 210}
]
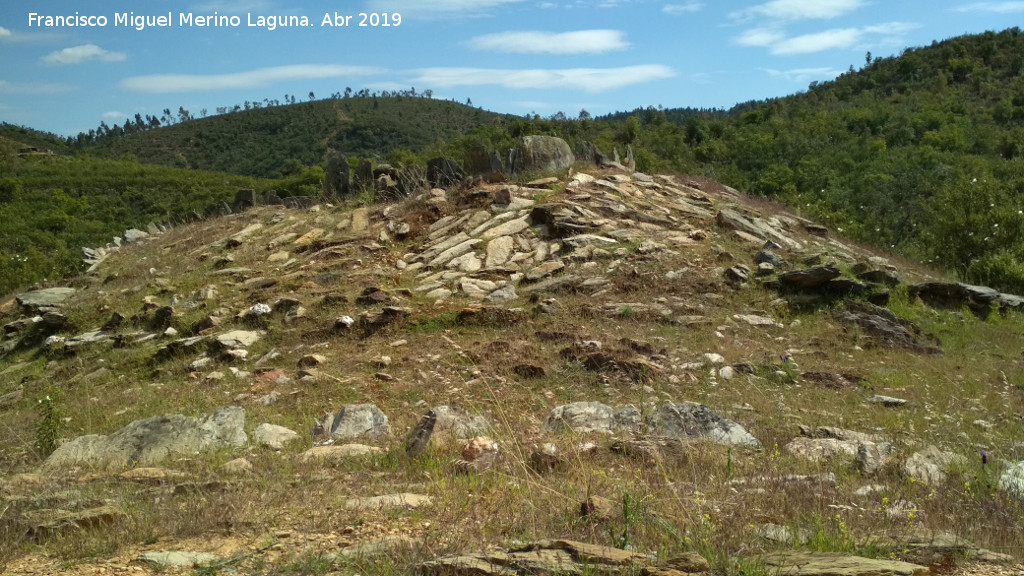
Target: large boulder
[
  {"x": 541, "y": 154},
  {"x": 147, "y": 442},
  {"x": 690, "y": 421}
]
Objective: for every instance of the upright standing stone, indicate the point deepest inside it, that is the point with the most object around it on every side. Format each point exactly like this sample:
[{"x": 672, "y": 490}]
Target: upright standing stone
[
  {"x": 364, "y": 175},
  {"x": 336, "y": 182}
]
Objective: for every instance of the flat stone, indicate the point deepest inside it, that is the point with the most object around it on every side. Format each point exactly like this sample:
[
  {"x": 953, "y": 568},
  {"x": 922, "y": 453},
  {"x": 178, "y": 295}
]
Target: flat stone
[
  {"x": 152, "y": 475},
  {"x": 176, "y": 559},
  {"x": 239, "y": 338},
  {"x": 388, "y": 502},
  {"x": 309, "y": 237},
  {"x": 47, "y": 297},
  {"x": 833, "y": 564},
  {"x": 755, "y": 320},
  {"x": 499, "y": 250},
  {"x": 453, "y": 252},
  {"x": 543, "y": 270},
  {"x": 887, "y": 401},
  {"x": 333, "y": 454},
  {"x": 385, "y": 545},
  {"x": 64, "y": 521},
  {"x": 507, "y": 229},
  {"x": 149, "y": 441}
]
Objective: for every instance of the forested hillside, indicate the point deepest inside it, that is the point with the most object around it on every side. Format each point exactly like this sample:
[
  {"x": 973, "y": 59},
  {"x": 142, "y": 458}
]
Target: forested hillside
[
  {"x": 271, "y": 141},
  {"x": 52, "y": 206}
]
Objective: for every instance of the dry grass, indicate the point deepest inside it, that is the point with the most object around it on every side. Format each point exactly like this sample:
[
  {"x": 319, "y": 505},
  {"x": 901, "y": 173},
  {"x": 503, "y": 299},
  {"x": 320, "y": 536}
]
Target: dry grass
[{"x": 681, "y": 503}]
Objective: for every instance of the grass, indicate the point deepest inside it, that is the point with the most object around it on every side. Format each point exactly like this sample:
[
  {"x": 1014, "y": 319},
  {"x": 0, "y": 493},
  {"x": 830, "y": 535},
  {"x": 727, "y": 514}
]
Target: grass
[{"x": 679, "y": 504}]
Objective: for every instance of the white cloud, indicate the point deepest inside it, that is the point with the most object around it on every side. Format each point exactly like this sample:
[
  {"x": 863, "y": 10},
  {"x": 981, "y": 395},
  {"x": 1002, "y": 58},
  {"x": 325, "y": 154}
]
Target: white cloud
[
  {"x": 9, "y": 88},
  {"x": 837, "y": 38},
  {"x": 818, "y": 42},
  {"x": 677, "y": 9},
  {"x": 891, "y": 28},
  {"x": 760, "y": 37},
  {"x": 165, "y": 83},
  {"x": 997, "y": 7},
  {"x": 586, "y": 79},
  {"x": 115, "y": 115},
  {"x": 83, "y": 53},
  {"x": 437, "y": 8},
  {"x": 5, "y": 33},
  {"x": 580, "y": 42},
  {"x": 803, "y": 74},
  {"x": 799, "y": 9}
]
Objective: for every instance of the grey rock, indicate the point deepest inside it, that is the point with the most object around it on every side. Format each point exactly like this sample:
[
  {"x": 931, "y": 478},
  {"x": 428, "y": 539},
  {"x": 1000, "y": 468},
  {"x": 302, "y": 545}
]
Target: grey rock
[
  {"x": 134, "y": 235},
  {"x": 389, "y": 502},
  {"x": 503, "y": 294},
  {"x": 809, "y": 278},
  {"x": 932, "y": 464},
  {"x": 871, "y": 456},
  {"x": 354, "y": 421},
  {"x": 698, "y": 422},
  {"x": 887, "y": 401},
  {"x": 769, "y": 257},
  {"x": 45, "y": 298},
  {"x": 176, "y": 559},
  {"x": 881, "y": 324},
  {"x": 1012, "y": 479},
  {"x": 955, "y": 295},
  {"x": 584, "y": 417},
  {"x": 273, "y": 436},
  {"x": 147, "y": 442},
  {"x": 335, "y": 454}
]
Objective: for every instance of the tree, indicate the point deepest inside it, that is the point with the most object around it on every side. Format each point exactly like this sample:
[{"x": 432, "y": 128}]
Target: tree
[{"x": 311, "y": 96}]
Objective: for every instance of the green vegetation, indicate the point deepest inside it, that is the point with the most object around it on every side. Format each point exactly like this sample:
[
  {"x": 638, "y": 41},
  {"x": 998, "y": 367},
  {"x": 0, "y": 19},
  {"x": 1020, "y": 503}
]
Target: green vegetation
[{"x": 274, "y": 141}]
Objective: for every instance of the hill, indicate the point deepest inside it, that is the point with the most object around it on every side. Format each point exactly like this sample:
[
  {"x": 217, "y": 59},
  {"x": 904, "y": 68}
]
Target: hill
[
  {"x": 276, "y": 141},
  {"x": 658, "y": 375}
]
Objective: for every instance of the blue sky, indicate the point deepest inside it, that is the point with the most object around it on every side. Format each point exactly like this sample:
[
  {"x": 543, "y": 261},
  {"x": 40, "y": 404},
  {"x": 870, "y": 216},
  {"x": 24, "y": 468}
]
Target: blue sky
[{"x": 515, "y": 56}]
